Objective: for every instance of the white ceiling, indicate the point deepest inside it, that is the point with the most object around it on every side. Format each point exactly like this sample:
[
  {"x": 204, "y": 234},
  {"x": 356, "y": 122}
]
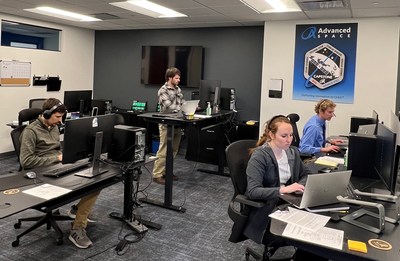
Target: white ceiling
[{"x": 201, "y": 13}]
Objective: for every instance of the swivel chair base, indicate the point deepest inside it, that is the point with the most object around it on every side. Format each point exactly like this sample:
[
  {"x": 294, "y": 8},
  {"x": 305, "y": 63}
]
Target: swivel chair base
[{"x": 49, "y": 219}]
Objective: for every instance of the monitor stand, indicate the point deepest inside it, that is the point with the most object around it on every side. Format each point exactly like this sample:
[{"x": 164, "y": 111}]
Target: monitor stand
[{"x": 95, "y": 169}]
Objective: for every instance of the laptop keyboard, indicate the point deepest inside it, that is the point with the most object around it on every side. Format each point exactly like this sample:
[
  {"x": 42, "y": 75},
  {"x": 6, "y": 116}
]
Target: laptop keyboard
[{"x": 65, "y": 169}]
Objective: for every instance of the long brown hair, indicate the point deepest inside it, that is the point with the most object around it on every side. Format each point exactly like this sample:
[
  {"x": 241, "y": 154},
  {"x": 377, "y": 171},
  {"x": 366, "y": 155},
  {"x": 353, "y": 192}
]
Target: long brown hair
[{"x": 270, "y": 126}]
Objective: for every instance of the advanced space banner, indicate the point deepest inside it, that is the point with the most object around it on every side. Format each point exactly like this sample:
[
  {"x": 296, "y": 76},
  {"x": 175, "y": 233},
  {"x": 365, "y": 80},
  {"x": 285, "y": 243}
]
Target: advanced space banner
[{"x": 325, "y": 62}]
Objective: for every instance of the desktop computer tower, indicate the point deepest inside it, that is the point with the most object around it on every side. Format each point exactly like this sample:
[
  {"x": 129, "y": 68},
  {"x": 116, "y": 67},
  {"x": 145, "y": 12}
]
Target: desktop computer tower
[
  {"x": 227, "y": 99},
  {"x": 104, "y": 106},
  {"x": 129, "y": 144}
]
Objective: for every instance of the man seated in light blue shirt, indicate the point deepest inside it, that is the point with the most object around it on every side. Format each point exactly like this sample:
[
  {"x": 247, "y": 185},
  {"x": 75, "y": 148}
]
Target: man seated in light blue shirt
[{"x": 313, "y": 140}]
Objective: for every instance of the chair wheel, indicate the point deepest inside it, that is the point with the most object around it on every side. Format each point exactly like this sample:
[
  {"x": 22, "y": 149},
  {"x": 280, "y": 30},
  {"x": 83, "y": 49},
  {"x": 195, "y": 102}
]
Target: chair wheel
[
  {"x": 59, "y": 241},
  {"x": 15, "y": 243},
  {"x": 17, "y": 225}
]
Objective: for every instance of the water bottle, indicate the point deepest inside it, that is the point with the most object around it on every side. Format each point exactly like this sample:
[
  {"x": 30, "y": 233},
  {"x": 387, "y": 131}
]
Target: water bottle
[{"x": 208, "y": 110}]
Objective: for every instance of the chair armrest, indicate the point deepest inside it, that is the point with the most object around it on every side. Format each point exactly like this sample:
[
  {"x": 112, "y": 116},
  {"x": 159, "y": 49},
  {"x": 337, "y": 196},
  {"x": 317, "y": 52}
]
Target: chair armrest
[{"x": 252, "y": 203}]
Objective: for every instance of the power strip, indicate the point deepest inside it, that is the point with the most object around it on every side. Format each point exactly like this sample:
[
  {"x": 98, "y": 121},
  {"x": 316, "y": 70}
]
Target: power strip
[{"x": 137, "y": 226}]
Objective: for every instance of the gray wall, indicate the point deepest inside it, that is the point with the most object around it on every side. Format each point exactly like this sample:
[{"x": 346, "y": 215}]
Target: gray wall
[{"x": 232, "y": 55}]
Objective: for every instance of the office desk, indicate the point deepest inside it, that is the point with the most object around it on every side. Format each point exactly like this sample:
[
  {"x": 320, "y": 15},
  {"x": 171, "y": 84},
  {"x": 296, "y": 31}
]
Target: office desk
[
  {"x": 172, "y": 122},
  {"x": 390, "y": 234},
  {"x": 11, "y": 204}
]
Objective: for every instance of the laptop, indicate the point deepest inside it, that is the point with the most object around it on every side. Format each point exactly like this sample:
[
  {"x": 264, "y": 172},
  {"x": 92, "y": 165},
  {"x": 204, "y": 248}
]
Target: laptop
[
  {"x": 368, "y": 129},
  {"x": 320, "y": 189},
  {"x": 188, "y": 107}
]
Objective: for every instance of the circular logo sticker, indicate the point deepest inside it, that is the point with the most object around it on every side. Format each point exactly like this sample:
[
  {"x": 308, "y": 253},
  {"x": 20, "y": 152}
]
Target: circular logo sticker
[
  {"x": 11, "y": 191},
  {"x": 380, "y": 244}
]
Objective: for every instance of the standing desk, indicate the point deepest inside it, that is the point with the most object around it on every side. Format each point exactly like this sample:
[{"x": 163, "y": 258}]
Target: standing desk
[{"x": 172, "y": 122}]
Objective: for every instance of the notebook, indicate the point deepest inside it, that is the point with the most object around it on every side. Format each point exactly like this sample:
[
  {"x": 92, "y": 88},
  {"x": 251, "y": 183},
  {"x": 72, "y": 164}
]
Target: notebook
[{"x": 320, "y": 189}]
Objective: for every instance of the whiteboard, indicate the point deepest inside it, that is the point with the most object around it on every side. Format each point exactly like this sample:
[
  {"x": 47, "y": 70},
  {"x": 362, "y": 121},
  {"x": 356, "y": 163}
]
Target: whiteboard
[{"x": 15, "y": 73}]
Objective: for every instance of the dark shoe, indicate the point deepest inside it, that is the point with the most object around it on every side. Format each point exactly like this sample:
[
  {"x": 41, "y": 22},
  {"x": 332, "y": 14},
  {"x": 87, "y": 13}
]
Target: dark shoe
[
  {"x": 173, "y": 177},
  {"x": 160, "y": 180}
]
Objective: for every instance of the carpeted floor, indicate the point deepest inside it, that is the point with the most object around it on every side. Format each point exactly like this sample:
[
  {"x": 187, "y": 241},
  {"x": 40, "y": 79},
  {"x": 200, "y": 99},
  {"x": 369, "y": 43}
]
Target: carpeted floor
[{"x": 201, "y": 233}]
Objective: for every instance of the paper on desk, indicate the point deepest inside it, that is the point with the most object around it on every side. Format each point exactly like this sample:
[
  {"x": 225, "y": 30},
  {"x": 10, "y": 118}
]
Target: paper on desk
[
  {"x": 335, "y": 160},
  {"x": 301, "y": 218},
  {"x": 46, "y": 191},
  {"x": 324, "y": 236}
]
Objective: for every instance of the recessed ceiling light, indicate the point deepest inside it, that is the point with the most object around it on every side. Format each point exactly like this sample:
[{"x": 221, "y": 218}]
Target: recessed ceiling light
[
  {"x": 272, "y": 6},
  {"x": 148, "y": 8},
  {"x": 50, "y": 11}
]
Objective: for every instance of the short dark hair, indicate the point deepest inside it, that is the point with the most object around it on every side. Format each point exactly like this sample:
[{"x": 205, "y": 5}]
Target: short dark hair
[
  {"x": 171, "y": 72},
  {"x": 51, "y": 102}
]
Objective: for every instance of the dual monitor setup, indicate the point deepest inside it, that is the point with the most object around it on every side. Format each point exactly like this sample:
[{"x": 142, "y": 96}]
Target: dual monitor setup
[
  {"x": 81, "y": 101},
  {"x": 94, "y": 133},
  {"x": 211, "y": 91},
  {"x": 374, "y": 150},
  {"x": 89, "y": 137}
]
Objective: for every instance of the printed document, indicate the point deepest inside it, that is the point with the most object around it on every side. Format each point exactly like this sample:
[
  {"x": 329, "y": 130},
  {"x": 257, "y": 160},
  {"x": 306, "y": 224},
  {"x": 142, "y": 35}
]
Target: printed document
[
  {"x": 325, "y": 236},
  {"x": 301, "y": 218},
  {"x": 47, "y": 191}
]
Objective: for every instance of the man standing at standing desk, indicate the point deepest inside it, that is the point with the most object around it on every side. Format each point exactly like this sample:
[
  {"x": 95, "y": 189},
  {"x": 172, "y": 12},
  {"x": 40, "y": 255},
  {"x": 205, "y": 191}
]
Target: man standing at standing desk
[
  {"x": 170, "y": 98},
  {"x": 40, "y": 146}
]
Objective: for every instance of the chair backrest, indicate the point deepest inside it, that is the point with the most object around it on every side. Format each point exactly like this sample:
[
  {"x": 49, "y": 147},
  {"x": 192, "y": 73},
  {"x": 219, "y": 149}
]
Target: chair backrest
[
  {"x": 294, "y": 117},
  {"x": 30, "y": 115},
  {"x": 36, "y": 103},
  {"x": 15, "y": 134},
  {"x": 237, "y": 156}
]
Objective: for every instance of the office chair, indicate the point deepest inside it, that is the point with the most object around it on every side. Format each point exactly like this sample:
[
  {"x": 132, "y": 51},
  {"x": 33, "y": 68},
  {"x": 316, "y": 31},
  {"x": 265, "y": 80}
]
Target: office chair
[
  {"x": 15, "y": 134},
  {"x": 29, "y": 115},
  {"x": 50, "y": 216},
  {"x": 36, "y": 103},
  {"x": 237, "y": 156},
  {"x": 294, "y": 118}
]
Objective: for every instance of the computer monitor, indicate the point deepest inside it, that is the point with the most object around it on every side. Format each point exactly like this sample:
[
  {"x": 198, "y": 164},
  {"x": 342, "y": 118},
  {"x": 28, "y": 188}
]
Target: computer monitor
[
  {"x": 78, "y": 101},
  {"x": 361, "y": 155},
  {"x": 207, "y": 93},
  {"x": 88, "y": 137},
  {"x": 386, "y": 157}
]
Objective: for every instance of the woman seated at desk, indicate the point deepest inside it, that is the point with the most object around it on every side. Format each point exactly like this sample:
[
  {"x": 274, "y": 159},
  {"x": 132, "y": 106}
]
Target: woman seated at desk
[{"x": 274, "y": 168}]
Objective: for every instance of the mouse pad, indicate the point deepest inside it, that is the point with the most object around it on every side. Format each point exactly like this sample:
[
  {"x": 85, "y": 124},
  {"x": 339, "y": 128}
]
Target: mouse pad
[{"x": 16, "y": 181}]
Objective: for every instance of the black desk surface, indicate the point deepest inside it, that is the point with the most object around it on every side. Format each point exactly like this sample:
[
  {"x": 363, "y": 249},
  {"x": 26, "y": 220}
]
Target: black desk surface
[
  {"x": 152, "y": 116},
  {"x": 390, "y": 234},
  {"x": 11, "y": 204}
]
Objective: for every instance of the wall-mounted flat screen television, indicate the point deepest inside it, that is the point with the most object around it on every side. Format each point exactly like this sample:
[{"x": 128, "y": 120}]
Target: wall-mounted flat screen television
[{"x": 156, "y": 60}]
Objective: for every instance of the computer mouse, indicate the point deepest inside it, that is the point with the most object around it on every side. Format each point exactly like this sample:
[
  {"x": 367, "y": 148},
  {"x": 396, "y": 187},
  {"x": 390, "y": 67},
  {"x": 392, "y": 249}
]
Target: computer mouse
[{"x": 30, "y": 175}]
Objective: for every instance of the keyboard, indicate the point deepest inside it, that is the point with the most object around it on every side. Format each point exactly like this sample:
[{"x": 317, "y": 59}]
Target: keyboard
[
  {"x": 65, "y": 169},
  {"x": 350, "y": 192}
]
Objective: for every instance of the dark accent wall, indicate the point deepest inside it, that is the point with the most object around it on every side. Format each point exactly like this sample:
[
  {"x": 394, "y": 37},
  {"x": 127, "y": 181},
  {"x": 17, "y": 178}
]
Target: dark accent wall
[{"x": 232, "y": 55}]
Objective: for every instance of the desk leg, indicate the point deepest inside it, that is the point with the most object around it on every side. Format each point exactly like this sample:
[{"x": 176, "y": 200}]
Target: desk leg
[
  {"x": 169, "y": 170},
  {"x": 134, "y": 221}
]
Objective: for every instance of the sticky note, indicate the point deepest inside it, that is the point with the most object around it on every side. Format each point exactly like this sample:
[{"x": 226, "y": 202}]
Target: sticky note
[{"x": 357, "y": 246}]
